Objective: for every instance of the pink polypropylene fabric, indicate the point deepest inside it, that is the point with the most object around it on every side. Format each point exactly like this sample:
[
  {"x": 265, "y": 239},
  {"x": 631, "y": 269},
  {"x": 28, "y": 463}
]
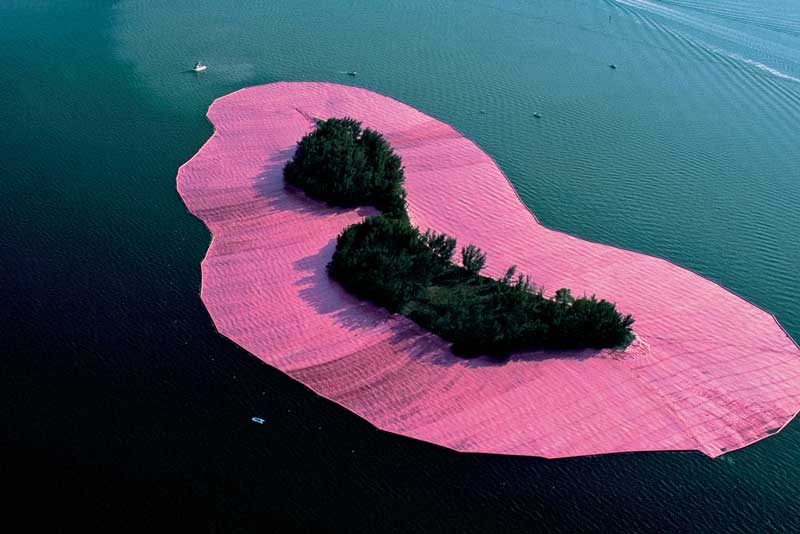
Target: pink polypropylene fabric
[{"x": 708, "y": 372}]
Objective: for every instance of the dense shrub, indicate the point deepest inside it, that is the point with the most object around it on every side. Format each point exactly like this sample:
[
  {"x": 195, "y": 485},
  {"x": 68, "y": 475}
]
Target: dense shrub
[
  {"x": 345, "y": 166},
  {"x": 389, "y": 262}
]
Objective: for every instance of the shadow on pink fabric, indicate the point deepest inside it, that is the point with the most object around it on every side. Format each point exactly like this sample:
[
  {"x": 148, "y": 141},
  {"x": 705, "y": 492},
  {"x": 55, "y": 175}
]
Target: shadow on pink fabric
[{"x": 708, "y": 372}]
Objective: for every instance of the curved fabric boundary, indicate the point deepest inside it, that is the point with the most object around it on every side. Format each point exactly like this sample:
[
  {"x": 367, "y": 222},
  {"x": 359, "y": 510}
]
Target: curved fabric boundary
[{"x": 709, "y": 372}]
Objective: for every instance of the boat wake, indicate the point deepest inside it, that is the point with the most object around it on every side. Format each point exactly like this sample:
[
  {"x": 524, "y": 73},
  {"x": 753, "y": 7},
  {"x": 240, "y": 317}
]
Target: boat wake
[
  {"x": 767, "y": 50},
  {"x": 756, "y": 64}
]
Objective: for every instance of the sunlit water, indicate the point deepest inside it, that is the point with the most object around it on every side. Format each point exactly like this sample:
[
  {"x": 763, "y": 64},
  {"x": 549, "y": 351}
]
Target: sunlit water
[{"x": 687, "y": 150}]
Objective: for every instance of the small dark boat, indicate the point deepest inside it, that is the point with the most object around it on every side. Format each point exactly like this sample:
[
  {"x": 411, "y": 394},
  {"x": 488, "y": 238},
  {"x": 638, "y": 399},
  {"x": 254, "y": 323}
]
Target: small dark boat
[
  {"x": 613, "y": 66},
  {"x": 352, "y": 73},
  {"x": 537, "y": 116}
]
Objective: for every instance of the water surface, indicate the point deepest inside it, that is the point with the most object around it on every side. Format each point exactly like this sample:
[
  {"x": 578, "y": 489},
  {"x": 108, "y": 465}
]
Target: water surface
[{"x": 119, "y": 393}]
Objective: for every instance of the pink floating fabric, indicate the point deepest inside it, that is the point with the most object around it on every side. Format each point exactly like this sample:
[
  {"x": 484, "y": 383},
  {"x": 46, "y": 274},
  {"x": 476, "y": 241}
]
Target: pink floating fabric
[{"x": 709, "y": 371}]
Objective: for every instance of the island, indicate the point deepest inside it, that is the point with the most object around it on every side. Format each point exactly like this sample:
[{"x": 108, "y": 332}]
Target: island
[
  {"x": 707, "y": 371},
  {"x": 389, "y": 262}
]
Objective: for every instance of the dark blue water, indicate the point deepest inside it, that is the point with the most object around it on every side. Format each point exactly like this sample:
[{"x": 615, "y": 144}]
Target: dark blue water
[{"x": 123, "y": 408}]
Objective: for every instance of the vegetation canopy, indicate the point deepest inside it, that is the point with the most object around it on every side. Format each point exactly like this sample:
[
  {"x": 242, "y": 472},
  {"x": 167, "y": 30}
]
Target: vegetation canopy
[
  {"x": 387, "y": 261},
  {"x": 344, "y": 166}
]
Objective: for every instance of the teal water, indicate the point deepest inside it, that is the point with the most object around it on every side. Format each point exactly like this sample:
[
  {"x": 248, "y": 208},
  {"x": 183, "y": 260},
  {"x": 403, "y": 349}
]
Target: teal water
[{"x": 119, "y": 393}]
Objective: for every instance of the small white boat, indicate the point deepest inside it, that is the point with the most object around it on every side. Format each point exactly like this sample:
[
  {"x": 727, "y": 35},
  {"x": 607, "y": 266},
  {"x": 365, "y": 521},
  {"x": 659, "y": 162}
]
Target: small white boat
[
  {"x": 257, "y": 420},
  {"x": 199, "y": 67}
]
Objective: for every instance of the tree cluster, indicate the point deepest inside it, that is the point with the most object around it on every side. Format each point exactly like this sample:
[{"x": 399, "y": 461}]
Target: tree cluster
[
  {"x": 344, "y": 166},
  {"x": 389, "y": 262}
]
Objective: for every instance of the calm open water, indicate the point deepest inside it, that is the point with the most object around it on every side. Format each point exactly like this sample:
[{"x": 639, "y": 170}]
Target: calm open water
[{"x": 122, "y": 404}]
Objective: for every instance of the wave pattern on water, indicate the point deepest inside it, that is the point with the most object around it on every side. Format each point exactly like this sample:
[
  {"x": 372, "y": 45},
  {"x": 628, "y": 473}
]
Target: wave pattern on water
[
  {"x": 772, "y": 51},
  {"x": 681, "y": 152}
]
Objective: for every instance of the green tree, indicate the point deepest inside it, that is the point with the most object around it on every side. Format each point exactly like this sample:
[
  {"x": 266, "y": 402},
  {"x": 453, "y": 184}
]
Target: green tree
[
  {"x": 472, "y": 259},
  {"x": 344, "y": 166},
  {"x": 389, "y": 262}
]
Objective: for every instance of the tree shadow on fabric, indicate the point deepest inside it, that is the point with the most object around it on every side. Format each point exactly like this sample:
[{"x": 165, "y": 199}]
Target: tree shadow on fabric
[
  {"x": 327, "y": 297},
  {"x": 269, "y": 185}
]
